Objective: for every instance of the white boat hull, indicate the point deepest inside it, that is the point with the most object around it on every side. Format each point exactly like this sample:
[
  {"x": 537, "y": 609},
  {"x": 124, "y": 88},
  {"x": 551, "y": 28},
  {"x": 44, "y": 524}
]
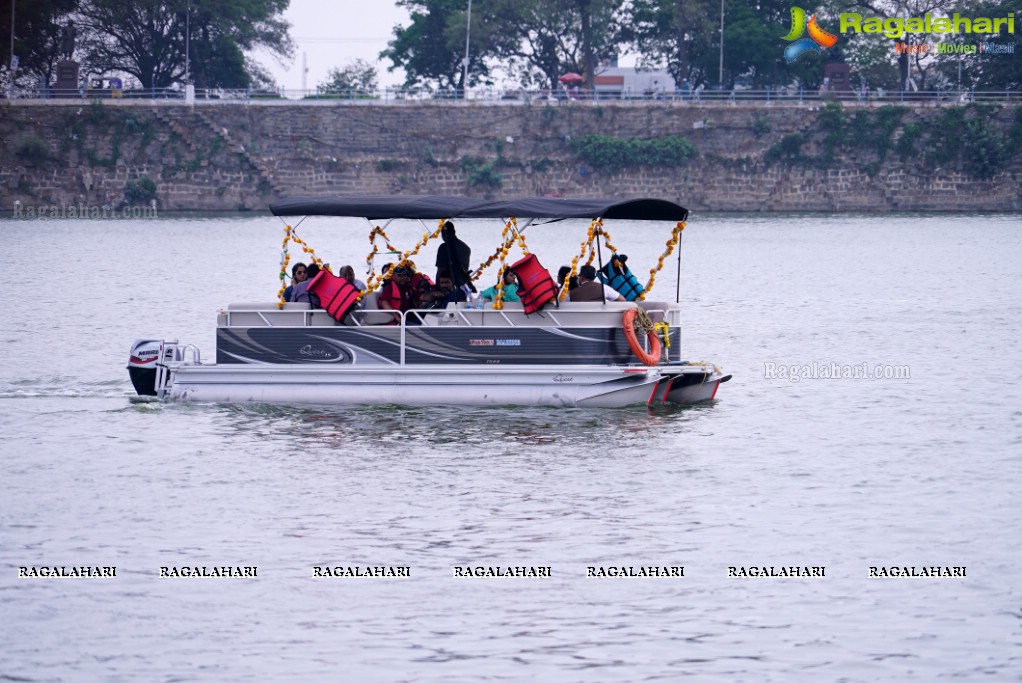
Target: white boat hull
[{"x": 418, "y": 386}]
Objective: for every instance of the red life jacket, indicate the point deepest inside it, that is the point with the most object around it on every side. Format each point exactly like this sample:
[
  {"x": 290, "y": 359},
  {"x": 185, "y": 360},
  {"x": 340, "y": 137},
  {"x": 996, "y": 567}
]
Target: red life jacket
[
  {"x": 336, "y": 294},
  {"x": 536, "y": 288},
  {"x": 419, "y": 282},
  {"x": 397, "y": 297}
]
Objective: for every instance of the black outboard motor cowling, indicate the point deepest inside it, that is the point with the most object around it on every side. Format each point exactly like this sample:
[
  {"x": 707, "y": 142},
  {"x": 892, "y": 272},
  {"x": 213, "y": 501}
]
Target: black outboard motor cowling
[{"x": 145, "y": 353}]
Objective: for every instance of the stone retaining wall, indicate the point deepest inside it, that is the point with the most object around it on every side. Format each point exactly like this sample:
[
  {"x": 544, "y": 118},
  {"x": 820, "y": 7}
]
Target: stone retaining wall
[{"x": 241, "y": 157}]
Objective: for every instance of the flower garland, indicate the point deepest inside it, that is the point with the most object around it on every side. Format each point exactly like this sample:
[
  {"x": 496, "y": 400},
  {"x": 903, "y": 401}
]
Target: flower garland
[
  {"x": 291, "y": 235},
  {"x": 285, "y": 258},
  {"x": 308, "y": 250},
  {"x": 664, "y": 330},
  {"x": 587, "y": 243},
  {"x": 671, "y": 243},
  {"x": 510, "y": 234},
  {"x": 375, "y": 280},
  {"x": 505, "y": 245}
]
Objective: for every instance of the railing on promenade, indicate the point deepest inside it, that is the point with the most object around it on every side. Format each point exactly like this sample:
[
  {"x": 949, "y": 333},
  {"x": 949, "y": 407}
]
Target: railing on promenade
[{"x": 512, "y": 97}]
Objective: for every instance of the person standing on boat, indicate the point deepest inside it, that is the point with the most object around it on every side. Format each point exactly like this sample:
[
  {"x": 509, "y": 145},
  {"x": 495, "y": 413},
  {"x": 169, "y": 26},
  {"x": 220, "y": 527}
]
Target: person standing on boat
[
  {"x": 454, "y": 256},
  {"x": 298, "y": 274},
  {"x": 590, "y": 290},
  {"x": 397, "y": 294}
]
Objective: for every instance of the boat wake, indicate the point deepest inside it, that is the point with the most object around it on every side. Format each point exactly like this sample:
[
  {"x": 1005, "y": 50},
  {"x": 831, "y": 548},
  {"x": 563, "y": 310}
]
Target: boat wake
[{"x": 63, "y": 387}]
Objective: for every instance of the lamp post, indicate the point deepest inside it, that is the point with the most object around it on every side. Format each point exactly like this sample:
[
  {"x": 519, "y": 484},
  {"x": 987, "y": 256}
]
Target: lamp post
[
  {"x": 468, "y": 31},
  {"x": 721, "y": 74},
  {"x": 188, "y": 38},
  {"x": 13, "y": 2}
]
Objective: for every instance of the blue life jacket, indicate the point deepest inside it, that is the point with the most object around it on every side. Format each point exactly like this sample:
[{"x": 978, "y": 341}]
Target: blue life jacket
[{"x": 623, "y": 280}]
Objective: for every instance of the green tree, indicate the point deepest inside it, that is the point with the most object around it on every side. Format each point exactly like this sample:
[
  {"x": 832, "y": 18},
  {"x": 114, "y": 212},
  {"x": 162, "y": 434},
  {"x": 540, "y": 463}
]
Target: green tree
[
  {"x": 684, "y": 36},
  {"x": 548, "y": 38},
  {"x": 359, "y": 74},
  {"x": 920, "y": 67},
  {"x": 534, "y": 41},
  {"x": 431, "y": 49},
  {"x": 669, "y": 33},
  {"x": 147, "y": 38},
  {"x": 986, "y": 71},
  {"x": 37, "y": 26}
]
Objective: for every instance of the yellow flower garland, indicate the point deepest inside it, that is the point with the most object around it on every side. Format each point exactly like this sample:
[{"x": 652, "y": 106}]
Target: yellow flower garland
[
  {"x": 285, "y": 258},
  {"x": 375, "y": 280},
  {"x": 291, "y": 235},
  {"x": 587, "y": 243},
  {"x": 510, "y": 235},
  {"x": 671, "y": 243}
]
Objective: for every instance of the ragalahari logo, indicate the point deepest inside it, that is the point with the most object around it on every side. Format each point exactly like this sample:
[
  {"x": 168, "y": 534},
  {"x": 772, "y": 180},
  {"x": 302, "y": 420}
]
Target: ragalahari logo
[{"x": 817, "y": 41}]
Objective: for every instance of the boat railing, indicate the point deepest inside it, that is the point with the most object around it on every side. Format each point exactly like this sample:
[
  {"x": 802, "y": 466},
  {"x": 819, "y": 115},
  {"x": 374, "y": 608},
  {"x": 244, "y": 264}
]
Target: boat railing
[{"x": 567, "y": 314}]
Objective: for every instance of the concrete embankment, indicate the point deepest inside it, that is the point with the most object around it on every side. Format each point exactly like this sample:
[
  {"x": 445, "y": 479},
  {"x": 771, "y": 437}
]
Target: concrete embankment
[{"x": 745, "y": 158}]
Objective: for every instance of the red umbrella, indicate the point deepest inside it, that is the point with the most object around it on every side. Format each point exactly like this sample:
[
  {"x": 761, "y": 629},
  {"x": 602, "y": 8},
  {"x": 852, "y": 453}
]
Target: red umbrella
[{"x": 571, "y": 77}]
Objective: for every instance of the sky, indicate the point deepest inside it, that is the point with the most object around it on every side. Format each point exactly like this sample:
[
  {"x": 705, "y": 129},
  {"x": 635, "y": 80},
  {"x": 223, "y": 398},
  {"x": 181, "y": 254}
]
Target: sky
[{"x": 332, "y": 35}]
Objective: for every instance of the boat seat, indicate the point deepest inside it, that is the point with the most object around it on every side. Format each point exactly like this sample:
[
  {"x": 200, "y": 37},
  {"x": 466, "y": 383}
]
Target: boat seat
[
  {"x": 268, "y": 315},
  {"x": 370, "y": 303},
  {"x": 263, "y": 315}
]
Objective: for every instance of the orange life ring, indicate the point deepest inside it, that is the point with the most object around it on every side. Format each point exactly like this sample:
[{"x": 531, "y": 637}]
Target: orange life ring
[{"x": 651, "y": 358}]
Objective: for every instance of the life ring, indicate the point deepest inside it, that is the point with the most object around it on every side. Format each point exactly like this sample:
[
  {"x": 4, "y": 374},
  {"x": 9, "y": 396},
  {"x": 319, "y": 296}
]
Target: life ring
[{"x": 651, "y": 358}]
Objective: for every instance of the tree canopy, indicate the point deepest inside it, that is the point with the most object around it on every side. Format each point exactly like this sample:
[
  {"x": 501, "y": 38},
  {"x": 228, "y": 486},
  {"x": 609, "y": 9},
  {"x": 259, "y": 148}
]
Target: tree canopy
[
  {"x": 147, "y": 39},
  {"x": 358, "y": 74},
  {"x": 37, "y": 35},
  {"x": 533, "y": 42}
]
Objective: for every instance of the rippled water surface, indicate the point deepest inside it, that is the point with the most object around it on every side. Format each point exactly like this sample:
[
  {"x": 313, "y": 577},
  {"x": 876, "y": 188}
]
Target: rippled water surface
[{"x": 840, "y": 473}]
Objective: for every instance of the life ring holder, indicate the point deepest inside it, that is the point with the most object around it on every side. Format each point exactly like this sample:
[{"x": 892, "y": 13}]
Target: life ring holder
[{"x": 628, "y": 323}]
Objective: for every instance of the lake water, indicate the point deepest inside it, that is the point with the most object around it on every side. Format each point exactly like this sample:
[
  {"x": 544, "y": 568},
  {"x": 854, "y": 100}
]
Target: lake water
[{"x": 841, "y": 473}]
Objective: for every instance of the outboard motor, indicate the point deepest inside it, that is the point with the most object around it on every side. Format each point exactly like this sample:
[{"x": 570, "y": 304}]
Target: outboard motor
[{"x": 145, "y": 353}]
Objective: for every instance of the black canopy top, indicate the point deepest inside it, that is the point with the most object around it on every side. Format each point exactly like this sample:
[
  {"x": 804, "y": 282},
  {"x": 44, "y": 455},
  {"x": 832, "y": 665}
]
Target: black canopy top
[{"x": 435, "y": 207}]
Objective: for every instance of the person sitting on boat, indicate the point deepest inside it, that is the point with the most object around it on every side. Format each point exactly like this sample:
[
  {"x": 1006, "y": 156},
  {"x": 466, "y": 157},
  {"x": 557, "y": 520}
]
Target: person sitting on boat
[
  {"x": 298, "y": 274},
  {"x": 563, "y": 273},
  {"x": 510, "y": 288},
  {"x": 455, "y": 257},
  {"x": 397, "y": 294},
  {"x": 348, "y": 273},
  {"x": 443, "y": 293},
  {"x": 590, "y": 290},
  {"x": 301, "y": 291},
  {"x": 419, "y": 282}
]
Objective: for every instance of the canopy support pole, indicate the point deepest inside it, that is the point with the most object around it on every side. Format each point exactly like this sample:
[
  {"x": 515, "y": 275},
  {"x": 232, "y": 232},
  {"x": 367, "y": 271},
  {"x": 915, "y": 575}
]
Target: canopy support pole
[{"x": 677, "y": 291}]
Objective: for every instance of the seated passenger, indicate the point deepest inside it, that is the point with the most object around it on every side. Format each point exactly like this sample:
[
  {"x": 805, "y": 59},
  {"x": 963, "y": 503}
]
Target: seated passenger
[
  {"x": 510, "y": 288},
  {"x": 301, "y": 291},
  {"x": 419, "y": 282},
  {"x": 563, "y": 273},
  {"x": 444, "y": 293},
  {"x": 590, "y": 290},
  {"x": 348, "y": 273},
  {"x": 396, "y": 294},
  {"x": 298, "y": 274}
]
